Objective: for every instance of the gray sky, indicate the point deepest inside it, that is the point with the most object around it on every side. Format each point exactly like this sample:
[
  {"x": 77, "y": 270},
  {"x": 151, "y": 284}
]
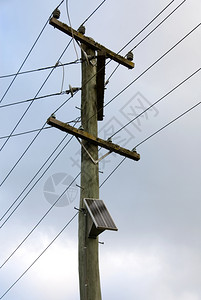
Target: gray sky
[{"x": 155, "y": 202}]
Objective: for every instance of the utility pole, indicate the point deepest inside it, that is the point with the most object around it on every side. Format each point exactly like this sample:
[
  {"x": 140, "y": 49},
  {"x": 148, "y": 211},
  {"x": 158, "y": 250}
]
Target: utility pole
[
  {"x": 88, "y": 247},
  {"x": 93, "y": 72}
]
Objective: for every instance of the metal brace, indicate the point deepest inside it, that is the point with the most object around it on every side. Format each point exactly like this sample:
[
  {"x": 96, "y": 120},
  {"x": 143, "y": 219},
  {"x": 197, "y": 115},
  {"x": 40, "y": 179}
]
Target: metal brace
[{"x": 93, "y": 160}]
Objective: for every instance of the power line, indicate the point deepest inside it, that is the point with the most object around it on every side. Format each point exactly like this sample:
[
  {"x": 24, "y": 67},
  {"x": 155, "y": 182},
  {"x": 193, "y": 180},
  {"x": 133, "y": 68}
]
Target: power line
[
  {"x": 93, "y": 12},
  {"x": 150, "y": 136},
  {"x": 21, "y": 118},
  {"x": 146, "y": 26},
  {"x": 32, "y": 99},
  {"x": 51, "y": 207},
  {"x": 57, "y": 147},
  {"x": 157, "y": 61},
  {"x": 181, "y": 40},
  {"x": 25, "y": 132},
  {"x": 40, "y": 255},
  {"x": 31, "y": 143},
  {"x": 156, "y": 102},
  {"x": 153, "y": 64},
  {"x": 24, "y": 61},
  {"x": 32, "y": 102},
  {"x": 22, "y": 200},
  {"x": 177, "y": 118},
  {"x": 158, "y": 25},
  {"x": 15, "y": 76},
  {"x": 42, "y": 69},
  {"x": 148, "y": 33}
]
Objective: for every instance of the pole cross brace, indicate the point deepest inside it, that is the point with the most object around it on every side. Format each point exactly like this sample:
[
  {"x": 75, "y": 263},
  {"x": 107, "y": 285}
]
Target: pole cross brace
[
  {"x": 92, "y": 139},
  {"x": 90, "y": 156}
]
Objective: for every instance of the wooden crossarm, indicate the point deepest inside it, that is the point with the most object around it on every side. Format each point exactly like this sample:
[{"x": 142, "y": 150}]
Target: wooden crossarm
[
  {"x": 92, "y": 139},
  {"x": 91, "y": 43}
]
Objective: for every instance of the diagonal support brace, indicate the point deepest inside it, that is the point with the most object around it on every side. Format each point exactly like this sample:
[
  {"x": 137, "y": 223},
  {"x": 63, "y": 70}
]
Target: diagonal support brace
[
  {"x": 93, "y": 160},
  {"x": 92, "y": 139}
]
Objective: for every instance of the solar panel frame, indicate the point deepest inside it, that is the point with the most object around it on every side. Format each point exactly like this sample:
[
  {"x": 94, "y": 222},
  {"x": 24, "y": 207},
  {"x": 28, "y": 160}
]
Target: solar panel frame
[{"x": 99, "y": 214}]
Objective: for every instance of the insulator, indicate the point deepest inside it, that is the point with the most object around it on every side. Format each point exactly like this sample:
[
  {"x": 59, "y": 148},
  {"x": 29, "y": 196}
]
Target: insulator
[
  {"x": 56, "y": 13},
  {"x": 129, "y": 56},
  {"x": 82, "y": 29}
]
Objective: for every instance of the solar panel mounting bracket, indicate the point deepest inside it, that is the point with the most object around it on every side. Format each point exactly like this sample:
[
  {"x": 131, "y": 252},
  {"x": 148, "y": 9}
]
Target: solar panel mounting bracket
[{"x": 100, "y": 216}]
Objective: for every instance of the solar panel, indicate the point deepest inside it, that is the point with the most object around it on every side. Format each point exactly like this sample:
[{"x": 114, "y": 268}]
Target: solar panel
[{"x": 100, "y": 216}]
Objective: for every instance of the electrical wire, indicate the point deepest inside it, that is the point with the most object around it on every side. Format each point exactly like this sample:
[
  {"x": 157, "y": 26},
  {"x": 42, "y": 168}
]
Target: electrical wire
[
  {"x": 24, "y": 61},
  {"x": 47, "y": 212},
  {"x": 153, "y": 64},
  {"x": 166, "y": 125},
  {"x": 115, "y": 69},
  {"x": 159, "y": 100},
  {"x": 68, "y": 15},
  {"x": 54, "y": 112},
  {"x": 182, "y": 39},
  {"x": 150, "y": 136},
  {"x": 14, "y": 202},
  {"x": 31, "y": 143},
  {"x": 93, "y": 12},
  {"x": 44, "y": 172},
  {"x": 40, "y": 255},
  {"x": 42, "y": 69},
  {"x": 32, "y": 99},
  {"x": 29, "y": 183},
  {"x": 34, "y": 44},
  {"x": 23, "y": 115},
  {"x": 25, "y": 132}
]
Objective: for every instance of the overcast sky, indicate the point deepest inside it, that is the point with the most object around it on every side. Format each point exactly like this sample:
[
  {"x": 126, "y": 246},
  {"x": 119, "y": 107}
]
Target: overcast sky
[{"x": 154, "y": 202}]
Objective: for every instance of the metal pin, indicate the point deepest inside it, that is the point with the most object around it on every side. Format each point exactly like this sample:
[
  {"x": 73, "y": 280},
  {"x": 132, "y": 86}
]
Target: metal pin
[
  {"x": 80, "y": 186},
  {"x": 80, "y": 210}
]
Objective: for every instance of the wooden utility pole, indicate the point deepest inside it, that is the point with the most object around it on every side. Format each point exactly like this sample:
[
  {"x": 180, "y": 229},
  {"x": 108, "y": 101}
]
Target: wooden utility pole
[
  {"x": 88, "y": 248},
  {"x": 93, "y": 72}
]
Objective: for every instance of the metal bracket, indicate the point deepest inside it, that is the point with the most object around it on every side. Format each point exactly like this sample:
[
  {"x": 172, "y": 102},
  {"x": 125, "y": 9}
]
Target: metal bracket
[{"x": 93, "y": 160}]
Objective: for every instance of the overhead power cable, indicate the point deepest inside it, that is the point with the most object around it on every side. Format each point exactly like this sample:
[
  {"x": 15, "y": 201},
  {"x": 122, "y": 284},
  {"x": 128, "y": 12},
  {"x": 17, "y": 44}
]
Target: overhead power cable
[
  {"x": 36, "y": 174},
  {"x": 40, "y": 255},
  {"x": 95, "y": 10},
  {"x": 32, "y": 99},
  {"x": 23, "y": 115},
  {"x": 34, "y": 44},
  {"x": 24, "y": 61},
  {"x": 168, "y": 124},
  {"x": 153, "y": 64},
  {"x": 150, "y": 136},
  {"x": 182, "y": 39},
  {"x": 30, "y": 144},
  {"x": 54, "y": 112},
  {"x": 42, "y": 69},
  {"x": 148, "y": 33},
  {"x": 25, "y": 132},
  {"x": 156, "y": 102},
  {"x": 43, "y": 217},
  {"x": 158, "y": 25}
]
